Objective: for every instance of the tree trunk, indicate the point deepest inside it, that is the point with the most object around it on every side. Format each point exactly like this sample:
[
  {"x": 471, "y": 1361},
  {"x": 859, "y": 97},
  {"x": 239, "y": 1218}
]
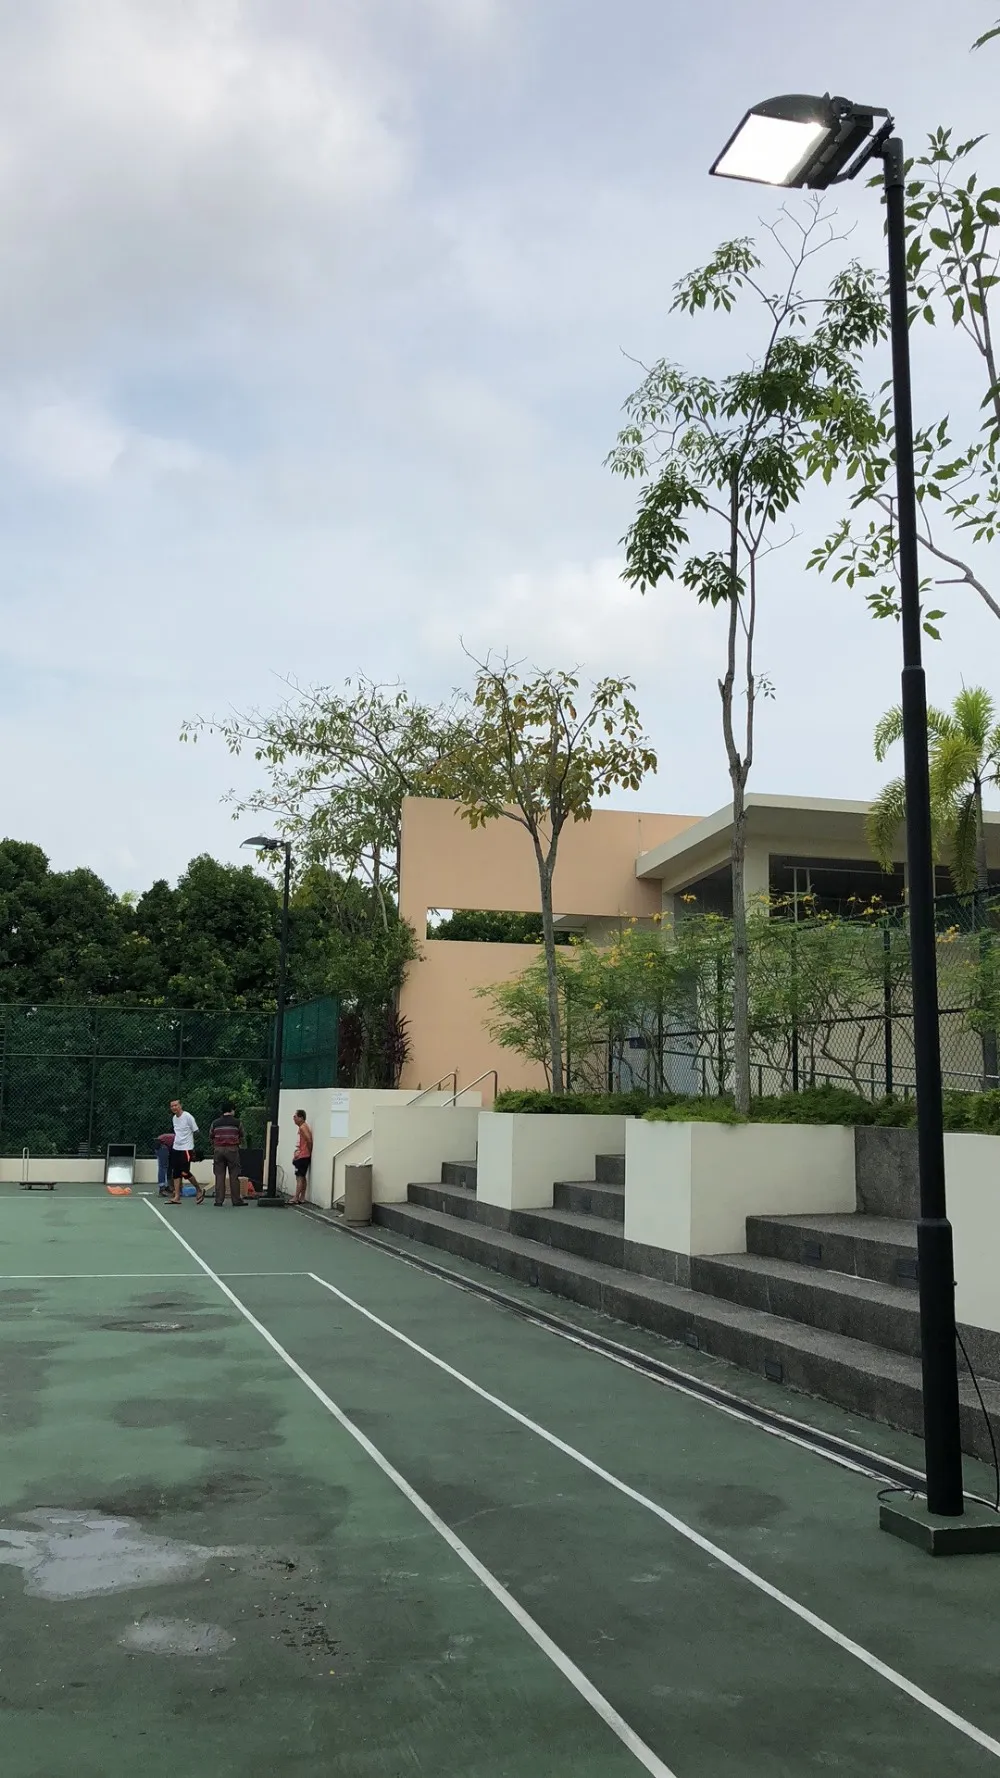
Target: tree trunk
[
  {"x": 552, "y": 980},
  {"x": 741, "y": 974},
  {"x": 981, "y": 921}
]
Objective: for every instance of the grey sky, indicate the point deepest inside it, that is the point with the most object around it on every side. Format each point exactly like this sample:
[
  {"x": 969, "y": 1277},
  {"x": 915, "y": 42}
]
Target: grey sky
[{"x": 311, "y": 335}]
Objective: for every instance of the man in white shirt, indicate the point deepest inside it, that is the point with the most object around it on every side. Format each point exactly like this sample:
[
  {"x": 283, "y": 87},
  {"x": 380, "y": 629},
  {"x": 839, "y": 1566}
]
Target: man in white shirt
[{"x": 185, "y": 1131}]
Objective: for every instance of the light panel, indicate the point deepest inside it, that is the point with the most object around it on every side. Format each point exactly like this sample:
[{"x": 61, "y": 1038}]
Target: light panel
[{"x": 771, "y": 150}]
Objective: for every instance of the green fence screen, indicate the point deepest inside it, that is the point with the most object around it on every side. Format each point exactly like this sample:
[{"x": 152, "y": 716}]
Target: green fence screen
[
  {"x": 309, "y": 1049},
  {"x": 74, "y": 1078}
]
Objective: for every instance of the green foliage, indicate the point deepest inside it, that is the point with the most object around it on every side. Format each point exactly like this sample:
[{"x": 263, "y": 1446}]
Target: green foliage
[
  {"x": 953, "y": 262},
  {"x": 593, "y": 1104},
  {"x": 972, "y": 1112},
  {"x": 729, "y": 457},
  {"x": 534, "y": 751},
  {"x": 964, "y": 756},
  {"x": 485, "y": 926}
]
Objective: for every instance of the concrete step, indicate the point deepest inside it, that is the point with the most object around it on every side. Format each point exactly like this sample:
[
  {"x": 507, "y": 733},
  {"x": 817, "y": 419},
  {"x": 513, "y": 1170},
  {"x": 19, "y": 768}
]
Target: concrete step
[
  {"x": 461, "y": 1173},
  {"x": 881, "y": 1385},
  {"x": 878, "y": 1247},
  {"x": 883, "y": 1315},
  {"x": 609, "y": 1169},
  {"x": 588, "y": 1198},
  {"x": 591, "y": 1237}
]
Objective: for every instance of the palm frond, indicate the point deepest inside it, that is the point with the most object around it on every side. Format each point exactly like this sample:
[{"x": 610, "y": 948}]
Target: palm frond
[
  {"x": 885, "y": 821},
  {"x": 975, "y": 712},
  {"x": 961, "y": 838},
  {"x": 889, "y": 730},
  {"x": 954, "y": 764}
]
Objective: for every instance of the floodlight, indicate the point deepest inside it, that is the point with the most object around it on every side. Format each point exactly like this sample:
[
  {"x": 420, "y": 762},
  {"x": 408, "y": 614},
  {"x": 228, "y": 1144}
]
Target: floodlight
[{"x": 801, "y": 139}]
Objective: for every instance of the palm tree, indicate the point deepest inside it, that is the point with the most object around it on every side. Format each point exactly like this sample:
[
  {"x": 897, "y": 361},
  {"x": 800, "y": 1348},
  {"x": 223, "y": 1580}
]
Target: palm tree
[
  {"x": 964, "y": 749},
  {"x": 964, "y": 755}
]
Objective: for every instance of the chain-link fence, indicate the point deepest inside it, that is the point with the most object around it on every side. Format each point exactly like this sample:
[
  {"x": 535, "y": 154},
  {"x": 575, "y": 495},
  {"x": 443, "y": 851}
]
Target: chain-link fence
[
  {"x": 74, "y": 1078},
  {"x": 831, "y": 1004}
]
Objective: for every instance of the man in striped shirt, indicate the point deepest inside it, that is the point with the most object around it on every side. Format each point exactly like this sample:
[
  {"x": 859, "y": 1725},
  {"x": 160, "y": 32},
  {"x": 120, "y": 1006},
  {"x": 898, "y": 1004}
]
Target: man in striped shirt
[{"x": 227, "y": 1138}]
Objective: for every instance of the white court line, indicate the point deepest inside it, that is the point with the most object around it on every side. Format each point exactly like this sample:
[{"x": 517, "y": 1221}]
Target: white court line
[
  {"x": 12, "y": 1277},
  {"x": 568, "y": 1668},
  {"x": 717, "y": 1554}
]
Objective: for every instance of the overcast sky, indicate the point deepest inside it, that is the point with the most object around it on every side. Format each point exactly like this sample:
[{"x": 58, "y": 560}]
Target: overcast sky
[{"x": 312, "y": 323}]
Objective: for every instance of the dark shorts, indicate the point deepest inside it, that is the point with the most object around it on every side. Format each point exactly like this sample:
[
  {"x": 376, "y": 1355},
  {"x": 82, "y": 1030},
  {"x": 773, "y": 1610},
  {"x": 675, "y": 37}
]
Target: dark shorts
[
  {"x": 301, "y": 1165},
  {"x": 180, "y": 1162}
]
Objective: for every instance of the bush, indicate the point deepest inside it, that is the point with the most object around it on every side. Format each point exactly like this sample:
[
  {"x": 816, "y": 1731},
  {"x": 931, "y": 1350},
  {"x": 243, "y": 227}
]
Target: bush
[
  {"x": 590, "y": 1104},
  {"x": 972, "y": 1112}
]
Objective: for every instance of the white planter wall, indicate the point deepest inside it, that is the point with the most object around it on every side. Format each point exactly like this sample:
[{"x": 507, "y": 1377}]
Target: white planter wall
[
  {"x": 972, "y": 1180},
  {"x": 409, "y": 1145},
  {"x": 689, "y": 1188},
  {"x": 323, "y": 1107},
  {"x": 522, "y": 1154}
]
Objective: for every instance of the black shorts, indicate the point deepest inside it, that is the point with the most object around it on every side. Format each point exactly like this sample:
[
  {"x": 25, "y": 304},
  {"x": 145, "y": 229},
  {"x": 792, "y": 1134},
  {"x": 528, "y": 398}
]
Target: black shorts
[
  {"x": 180, "y": 1162},
  {"x": 301, "y": 1165}
]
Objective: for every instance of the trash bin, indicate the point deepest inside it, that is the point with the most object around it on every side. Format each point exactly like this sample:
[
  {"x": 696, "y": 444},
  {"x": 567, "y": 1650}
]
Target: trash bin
[{"x": 358, "y": 1193}]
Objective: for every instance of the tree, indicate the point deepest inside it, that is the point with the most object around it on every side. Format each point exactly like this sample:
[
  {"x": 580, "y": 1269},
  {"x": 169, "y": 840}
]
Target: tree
[
  {"x": 339, "y": 765},
  {"x": 731, "y": 455},
  {"x": 64, "y": 935},
  {"x": 964, "y": 756},
  {"x": 953, "y": 260},
  {"x": 533, "y": 751}
]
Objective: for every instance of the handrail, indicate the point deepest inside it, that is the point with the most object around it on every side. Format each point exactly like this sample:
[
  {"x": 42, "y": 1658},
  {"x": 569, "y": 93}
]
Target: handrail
[
  {"x": 453, "y": 1077},
  {"x": 474, "y": 1083}
]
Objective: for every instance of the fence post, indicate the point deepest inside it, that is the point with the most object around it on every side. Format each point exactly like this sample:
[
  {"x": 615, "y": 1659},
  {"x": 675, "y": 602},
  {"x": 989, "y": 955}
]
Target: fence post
[
  {"x": 180, "y": 1055},
  {"x": 795, "y": 1011},
  {"x": 720, "y": 1030},
  {"x": 93, "y": 1081},
  {"x": 887, "y": 1003},
  {"x": 3, "y": 1070}
]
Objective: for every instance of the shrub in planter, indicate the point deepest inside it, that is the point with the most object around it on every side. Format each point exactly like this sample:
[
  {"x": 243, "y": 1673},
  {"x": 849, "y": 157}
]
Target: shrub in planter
[{"x": 586, "y": 1104}]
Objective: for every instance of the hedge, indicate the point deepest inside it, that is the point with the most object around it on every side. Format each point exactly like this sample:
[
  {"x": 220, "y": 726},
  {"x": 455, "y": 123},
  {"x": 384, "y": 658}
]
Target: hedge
[{"x": 973, "y": 1112}]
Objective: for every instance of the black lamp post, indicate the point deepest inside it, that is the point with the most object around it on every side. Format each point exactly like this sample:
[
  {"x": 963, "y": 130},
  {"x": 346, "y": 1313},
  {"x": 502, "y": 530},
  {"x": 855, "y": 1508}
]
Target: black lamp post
[
  {"x": 270, "y": 1199},
  {"x": 802, "y": 140}
]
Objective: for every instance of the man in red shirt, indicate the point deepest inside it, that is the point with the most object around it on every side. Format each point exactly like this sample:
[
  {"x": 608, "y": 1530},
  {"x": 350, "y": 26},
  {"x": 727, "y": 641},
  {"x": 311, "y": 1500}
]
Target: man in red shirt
[
  {"x": 302, "y": 1159},
  {"x": 227, "y": 1138}
]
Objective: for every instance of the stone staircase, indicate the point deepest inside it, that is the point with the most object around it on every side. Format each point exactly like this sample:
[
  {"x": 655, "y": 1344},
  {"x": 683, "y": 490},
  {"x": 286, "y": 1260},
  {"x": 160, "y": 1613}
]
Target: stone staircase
[{"x": 824, "y": 1304}]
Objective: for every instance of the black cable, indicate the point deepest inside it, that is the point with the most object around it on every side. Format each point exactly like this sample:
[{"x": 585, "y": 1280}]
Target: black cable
[{"x": 989, "y": 1423}]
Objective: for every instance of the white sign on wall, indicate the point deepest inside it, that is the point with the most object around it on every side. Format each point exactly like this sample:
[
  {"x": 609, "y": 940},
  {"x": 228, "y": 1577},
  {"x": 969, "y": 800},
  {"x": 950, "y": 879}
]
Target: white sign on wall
[{"x": 340, "y": 1106}]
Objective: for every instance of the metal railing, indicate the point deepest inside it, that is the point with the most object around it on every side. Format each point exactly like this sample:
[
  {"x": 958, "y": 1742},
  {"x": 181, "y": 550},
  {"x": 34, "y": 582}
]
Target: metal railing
[
  {"x": 366, "y": 1135},
  {"x": 487, "y": 1074}
]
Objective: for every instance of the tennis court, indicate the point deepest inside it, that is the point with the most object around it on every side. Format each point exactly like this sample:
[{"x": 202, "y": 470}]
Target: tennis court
[{"x": 275, "y": 1501}]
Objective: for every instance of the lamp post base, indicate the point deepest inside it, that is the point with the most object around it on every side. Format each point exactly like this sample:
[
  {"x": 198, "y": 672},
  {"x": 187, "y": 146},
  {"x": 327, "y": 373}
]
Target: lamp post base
[
  {"x": 265, "y": 1203},
  {"x": 975, "y": 1533}
]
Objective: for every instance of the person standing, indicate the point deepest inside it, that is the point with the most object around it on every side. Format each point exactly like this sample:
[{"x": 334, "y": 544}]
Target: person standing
[
  {"x": 227, "y": 1138},
  {"x": 164, "y": 1144},
  {"x": 182, "y": 1153},
  {"x": 302, "y": 1159}
]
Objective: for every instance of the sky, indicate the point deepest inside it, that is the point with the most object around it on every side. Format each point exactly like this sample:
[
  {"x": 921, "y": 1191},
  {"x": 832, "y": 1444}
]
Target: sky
[{"x": 316, "y": 320}]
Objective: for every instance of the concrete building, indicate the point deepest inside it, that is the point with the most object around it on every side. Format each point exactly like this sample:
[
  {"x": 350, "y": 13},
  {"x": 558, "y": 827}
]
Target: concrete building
[{"x": 619, "y": 865}]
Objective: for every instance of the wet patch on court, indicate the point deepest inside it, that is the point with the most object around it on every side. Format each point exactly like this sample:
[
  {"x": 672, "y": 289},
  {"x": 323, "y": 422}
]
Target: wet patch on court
[
  {"x": 23, "y": 1376},
  {"x": 232, "y": 1422}
]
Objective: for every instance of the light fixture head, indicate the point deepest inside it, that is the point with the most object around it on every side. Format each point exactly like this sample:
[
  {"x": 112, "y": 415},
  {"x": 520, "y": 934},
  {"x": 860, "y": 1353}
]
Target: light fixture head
[
  {"x": 262, "y": 843},
  {"x": 802, "y": 140}
]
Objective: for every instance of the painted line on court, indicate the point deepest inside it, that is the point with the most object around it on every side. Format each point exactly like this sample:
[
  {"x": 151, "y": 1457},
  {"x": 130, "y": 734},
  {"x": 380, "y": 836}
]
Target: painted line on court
[
  {"x": 802, "y": 1612},
  {"x": 560, "y": 1660},
  {"x": 21, "y": 1277}
]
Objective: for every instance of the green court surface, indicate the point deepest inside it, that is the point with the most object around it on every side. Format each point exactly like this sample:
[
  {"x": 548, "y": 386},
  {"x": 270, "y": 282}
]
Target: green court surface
[{"x": 249, "y": 1527}]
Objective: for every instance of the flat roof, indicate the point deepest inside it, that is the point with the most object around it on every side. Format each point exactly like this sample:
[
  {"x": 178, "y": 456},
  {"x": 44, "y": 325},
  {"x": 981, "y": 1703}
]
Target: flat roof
[{"x": 811, "y": 822}]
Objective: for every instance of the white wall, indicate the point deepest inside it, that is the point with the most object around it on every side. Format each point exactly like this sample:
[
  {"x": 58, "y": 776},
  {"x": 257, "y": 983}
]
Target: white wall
[
  {"x": 972, "y": 1178},
  {"x": 331, "y": 1108},
  {"x": 409, "y": 1145},
  {"x": 691, "y": 1187},
  {"x": 523, "y": 1154}
]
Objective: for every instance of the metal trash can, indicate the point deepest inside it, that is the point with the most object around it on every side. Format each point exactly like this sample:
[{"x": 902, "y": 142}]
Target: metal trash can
[{"x": 358, "y": 1193}]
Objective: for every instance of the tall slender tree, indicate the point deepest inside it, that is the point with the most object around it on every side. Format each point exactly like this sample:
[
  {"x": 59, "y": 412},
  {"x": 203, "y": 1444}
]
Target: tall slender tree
[{"x": 731, "y": 455}]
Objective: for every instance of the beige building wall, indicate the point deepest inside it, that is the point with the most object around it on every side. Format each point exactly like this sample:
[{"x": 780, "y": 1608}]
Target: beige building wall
[{"x": 444, "y": 863}]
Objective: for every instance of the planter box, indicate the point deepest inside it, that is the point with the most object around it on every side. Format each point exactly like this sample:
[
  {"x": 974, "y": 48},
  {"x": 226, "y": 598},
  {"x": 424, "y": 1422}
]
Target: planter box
[
  {"x": 410, "y": 1144},
  {"x": 522, "y": 1154},
  {"x": 689, "y": 1188},
  {"x": 972, "y": 1184}
]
